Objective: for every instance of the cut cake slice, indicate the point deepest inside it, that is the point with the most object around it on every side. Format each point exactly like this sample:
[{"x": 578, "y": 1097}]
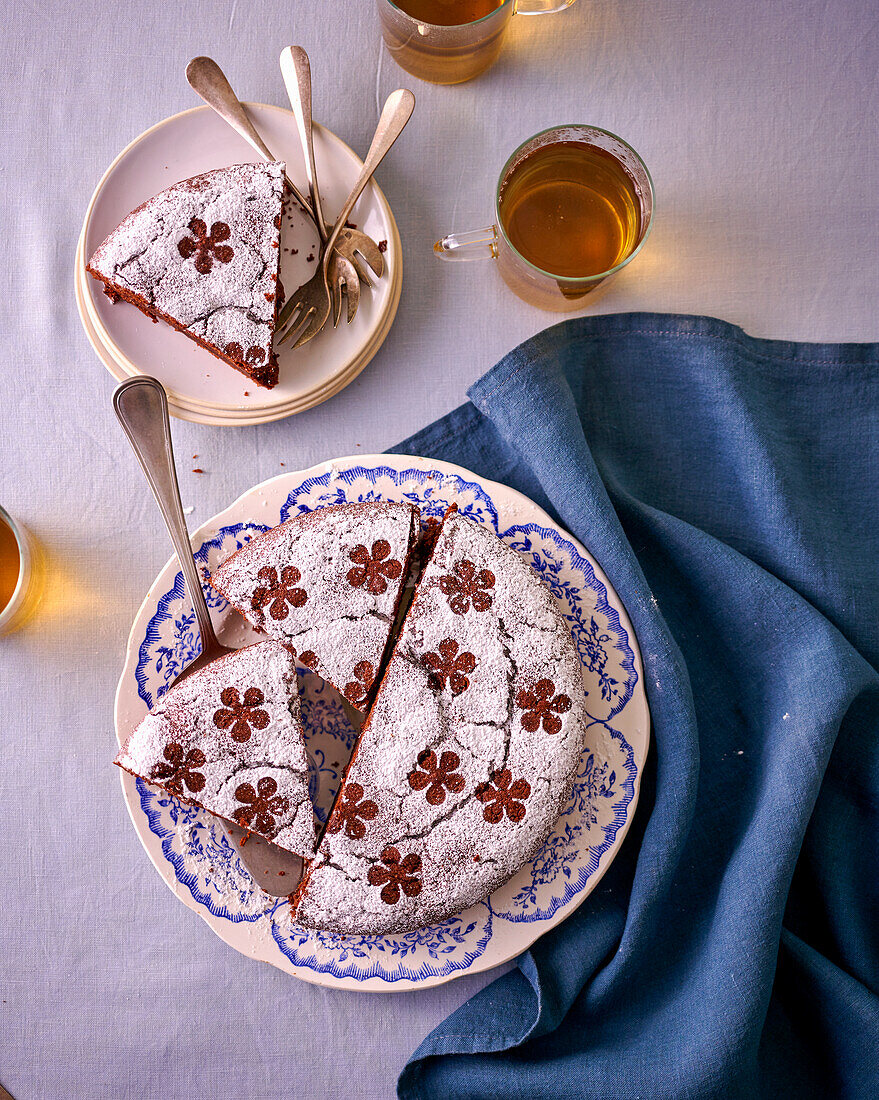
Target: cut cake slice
[
  {"x": 203, "y": 257},
  {"x": 328, "y": 582},
  {"x": 229, "y": 738}
]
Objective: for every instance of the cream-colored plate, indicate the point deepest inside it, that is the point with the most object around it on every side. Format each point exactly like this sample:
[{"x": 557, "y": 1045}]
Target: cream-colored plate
[
  {"x": 201, "y": 387},
  {"x": 188, "y": 846}
]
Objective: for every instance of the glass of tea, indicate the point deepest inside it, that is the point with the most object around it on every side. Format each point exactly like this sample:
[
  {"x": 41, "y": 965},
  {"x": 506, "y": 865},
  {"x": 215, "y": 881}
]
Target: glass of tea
[
  {"x": 19, "y": 582},
  {"x": 573, "y": 205},
  {"x": 450, "y": 41}
]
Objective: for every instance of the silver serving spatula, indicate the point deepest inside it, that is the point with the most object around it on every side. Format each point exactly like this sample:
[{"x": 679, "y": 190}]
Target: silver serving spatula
[{"x": 141, "y": 406}]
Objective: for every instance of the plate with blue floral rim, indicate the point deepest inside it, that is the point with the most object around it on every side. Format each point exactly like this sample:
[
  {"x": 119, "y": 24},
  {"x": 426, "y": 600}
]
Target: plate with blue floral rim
[{"x": 189, "y": 848}]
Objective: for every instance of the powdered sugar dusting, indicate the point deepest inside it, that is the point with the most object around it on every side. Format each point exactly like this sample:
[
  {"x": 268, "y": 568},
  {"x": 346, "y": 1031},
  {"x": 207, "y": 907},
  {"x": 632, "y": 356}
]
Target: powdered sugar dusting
[
  {"x": 229, "y": 738},
  {"x": 469, "y": 753}
]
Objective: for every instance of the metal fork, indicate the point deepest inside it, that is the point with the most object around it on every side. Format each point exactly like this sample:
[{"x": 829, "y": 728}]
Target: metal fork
[
  {"x": 141, "y": 406},
  {"x": 209, "y": 81},
  {"x": 307, "y": 311},
  {"x": 296, "y": 71}
]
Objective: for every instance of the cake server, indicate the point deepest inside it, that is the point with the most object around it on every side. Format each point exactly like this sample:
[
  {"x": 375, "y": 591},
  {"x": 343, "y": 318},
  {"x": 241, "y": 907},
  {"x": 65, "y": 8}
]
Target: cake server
[
  {"x": 208, "y": 80},
  {"x": 141, "y": 406}
]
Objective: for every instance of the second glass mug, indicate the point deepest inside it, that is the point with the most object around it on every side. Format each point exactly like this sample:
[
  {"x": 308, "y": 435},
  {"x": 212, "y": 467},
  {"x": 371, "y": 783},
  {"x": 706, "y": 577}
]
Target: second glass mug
[
  {"x": 536, "y": 285},
  {"x": 452, "y": 54}
]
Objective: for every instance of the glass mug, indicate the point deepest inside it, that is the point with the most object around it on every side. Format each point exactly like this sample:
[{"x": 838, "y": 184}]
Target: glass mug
[
  {"x": 573, "y": 205},
  {"x": 450, "y": 41},
  {"x": 20, "y": 574}
]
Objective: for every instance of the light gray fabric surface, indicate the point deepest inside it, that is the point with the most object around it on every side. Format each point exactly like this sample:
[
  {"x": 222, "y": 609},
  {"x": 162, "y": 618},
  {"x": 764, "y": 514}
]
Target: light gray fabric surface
[{"x": 758, "y": 126}]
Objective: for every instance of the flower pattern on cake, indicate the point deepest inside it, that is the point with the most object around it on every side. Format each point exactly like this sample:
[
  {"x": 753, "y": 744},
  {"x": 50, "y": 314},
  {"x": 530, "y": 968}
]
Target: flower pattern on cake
[
  {"x": 542, "y": 706},
  {"x": 503, "y": 795},
  {"x": 178, "y": 769},
  {"x": 448, "y": 666},
  {"x": 373, "y": 569},
  {"x": 238, "y": 715},
  {"x": 352, "y": 812},
  {"x": 278, "y": 593},
  {"x": 261, "y": 806},
  {"x": 465, "y": 588},
  {"x": 253, "y": 356},
  {"x": 206, "y": 247},
  {"x": 396, "y": 874},
  {"x": 357, "y": 689},
  {"x": 437, "y": 775}
]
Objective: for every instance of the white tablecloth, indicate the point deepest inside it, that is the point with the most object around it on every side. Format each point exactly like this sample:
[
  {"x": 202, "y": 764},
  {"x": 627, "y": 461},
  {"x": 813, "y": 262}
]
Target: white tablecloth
[{"x": 758, "y": 123}]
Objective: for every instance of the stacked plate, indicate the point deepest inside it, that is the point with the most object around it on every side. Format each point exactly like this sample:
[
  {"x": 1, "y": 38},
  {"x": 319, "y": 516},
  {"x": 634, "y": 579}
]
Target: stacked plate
[{"x": 200, "y": 387}]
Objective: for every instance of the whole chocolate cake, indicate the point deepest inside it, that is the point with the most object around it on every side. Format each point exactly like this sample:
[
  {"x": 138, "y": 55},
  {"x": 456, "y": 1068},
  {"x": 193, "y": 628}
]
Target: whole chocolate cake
[
  {"x": 475, "y": 713},
  {"x": 203, "y": 256},
  {"x": 468, "y": 755},
  {"x": 329, "y": 584},
  {"x": 229, "y": 738}
]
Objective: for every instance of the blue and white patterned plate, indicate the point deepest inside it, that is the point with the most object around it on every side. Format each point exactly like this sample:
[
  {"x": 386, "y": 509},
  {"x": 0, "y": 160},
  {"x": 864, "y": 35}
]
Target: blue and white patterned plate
[{"x": 191, "y": 852}]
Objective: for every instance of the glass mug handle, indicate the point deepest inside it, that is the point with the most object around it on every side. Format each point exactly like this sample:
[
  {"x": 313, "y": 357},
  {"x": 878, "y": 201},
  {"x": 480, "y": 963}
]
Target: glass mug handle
[
  {"x": 540, "y": 7},
  {"x": 479, "y": 244}
]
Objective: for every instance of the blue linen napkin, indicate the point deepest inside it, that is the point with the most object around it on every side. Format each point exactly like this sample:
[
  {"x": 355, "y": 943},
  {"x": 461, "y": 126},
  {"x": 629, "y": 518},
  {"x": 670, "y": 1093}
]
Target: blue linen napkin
[{"x": 730, "y": 488}]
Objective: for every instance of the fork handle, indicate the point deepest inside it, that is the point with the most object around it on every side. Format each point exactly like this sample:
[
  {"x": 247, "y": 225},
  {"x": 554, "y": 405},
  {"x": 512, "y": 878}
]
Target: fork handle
[
  {"x": 208, "y": 80},
  {"x": 395, "y": 114},
  {"x": 296, "y": 71},
  {"x": 141, "y": 406}
]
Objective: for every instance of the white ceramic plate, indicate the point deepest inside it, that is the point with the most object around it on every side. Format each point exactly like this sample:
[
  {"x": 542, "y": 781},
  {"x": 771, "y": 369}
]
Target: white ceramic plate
[
  {"x": 201, "y": 387},
  {"x": 189, "y": 848}
]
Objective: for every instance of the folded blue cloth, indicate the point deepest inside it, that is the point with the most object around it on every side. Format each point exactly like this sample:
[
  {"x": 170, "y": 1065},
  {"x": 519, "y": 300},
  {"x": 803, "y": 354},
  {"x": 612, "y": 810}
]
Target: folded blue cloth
[{"x": 730, "y": 488}]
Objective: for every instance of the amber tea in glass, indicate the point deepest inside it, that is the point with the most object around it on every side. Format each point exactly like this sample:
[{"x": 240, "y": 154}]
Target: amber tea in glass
[
  {"x": 448, "y": 13},
  {"x": 20, "y": 574},
  {"x": 573, "y": 205},
  {"x": 571, "y": 209},
  {"x": 450, "y": 41},
  {"x": 10, "y": 563}
]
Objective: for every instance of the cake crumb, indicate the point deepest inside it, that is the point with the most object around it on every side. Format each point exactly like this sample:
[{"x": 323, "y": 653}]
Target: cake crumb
[
  {"x": 197, "y": 470},
  {"x": 382, "y": 246}
]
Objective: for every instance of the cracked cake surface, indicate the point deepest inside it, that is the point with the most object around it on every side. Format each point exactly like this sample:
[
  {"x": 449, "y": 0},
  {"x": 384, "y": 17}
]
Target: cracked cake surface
[
  {"x": 327, "y": 583},
  {"x": 229, "y": 738},
  {"x": 203, "y": 256},
  {"x": 468, "y": 755}
]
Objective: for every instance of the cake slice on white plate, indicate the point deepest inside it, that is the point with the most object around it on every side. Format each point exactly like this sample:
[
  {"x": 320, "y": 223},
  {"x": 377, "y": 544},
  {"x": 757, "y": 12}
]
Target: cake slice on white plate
[
  {"x": 229, "y": 738},
  {"x": 203, "y": 257}
]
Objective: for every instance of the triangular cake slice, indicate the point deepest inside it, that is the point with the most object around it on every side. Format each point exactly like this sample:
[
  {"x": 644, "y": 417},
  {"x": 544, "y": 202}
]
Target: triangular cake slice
[
  {"x": 468, "y": 755},
  {"x": 329, "y": 584},
  {"x": 203, "y": 256},
  {"x": 229, "y": 738}
]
